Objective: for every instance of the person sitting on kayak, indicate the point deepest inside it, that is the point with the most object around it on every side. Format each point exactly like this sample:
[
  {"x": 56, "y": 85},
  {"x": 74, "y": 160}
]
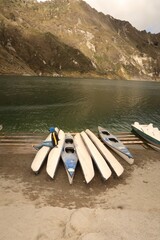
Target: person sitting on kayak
[
  {"x": 54, "y": 136},
  {"x": 54, "y": 140}
]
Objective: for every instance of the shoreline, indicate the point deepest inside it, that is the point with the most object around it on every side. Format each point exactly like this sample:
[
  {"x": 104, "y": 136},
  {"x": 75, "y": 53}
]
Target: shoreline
[
  {"x": 83, "y": 76},
  {"x": 16, "y": 166}
]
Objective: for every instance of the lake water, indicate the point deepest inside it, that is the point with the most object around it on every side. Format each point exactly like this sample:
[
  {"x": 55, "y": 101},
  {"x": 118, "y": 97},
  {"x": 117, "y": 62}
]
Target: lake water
[{"x": 33, "y": 104}]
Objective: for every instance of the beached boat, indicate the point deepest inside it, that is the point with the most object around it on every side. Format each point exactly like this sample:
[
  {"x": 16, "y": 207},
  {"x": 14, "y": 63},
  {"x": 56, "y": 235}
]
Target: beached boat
[
  {"x": 149, "y": 133},
  {"x": 54, "y": 155},
  {"x": 41, "y": 156},
  {"x": 42, "y": 153},
  {"x": 97, "y": 157},
  {"x": 69, "y": 156},
  {"x": 115, "y": 144},
  {"x": 111, "y": 160},
  {"x": 84, "y": 158}
]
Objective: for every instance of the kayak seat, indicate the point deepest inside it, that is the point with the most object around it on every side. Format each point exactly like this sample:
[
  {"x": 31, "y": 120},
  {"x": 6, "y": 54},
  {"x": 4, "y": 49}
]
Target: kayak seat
[
  {"x": 106, "y": 133},
  {"x": 69, "y": 140},
  {"x": 113, "y": 140},
  {"x": 69, "y": 149}
]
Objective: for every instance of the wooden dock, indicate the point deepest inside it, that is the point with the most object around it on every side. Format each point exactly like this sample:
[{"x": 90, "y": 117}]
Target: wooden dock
[{"x": 28, "y": 139}]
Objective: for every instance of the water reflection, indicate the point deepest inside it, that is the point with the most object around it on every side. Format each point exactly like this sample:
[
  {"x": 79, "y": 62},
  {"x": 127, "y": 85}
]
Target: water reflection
[{"x": 35, "y": 103}]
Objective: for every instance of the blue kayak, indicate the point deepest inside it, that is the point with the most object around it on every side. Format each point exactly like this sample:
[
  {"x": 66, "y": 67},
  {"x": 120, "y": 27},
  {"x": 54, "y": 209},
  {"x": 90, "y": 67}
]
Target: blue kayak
[{"x": 69, "y": 157}]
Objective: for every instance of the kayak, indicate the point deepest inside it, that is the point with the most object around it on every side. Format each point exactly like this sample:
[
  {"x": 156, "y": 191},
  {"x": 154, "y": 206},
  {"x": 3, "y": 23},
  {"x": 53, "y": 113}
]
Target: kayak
[
  {"x": 42, "y": 153},
  {"x": 97, "y": 157},
  {"x": 84, "y": 158},
  {"x": 41, "y": 156},
  {"x": 111, "y": 160},
  {"x": 116, "y": 145},
  {"x": 54, "y": 155},
  {"x": 69, "y": 156}
]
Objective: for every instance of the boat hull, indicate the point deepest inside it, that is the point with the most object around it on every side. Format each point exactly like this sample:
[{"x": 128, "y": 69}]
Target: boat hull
[
  {"x": 97, "y": 157},
  {"x": 149, "y": 139},
  {"x": 54, "y": 155},
  {"x": 41, "y": 156},
  {"x": 111, "y": 160},
  {"x": 84, "y": 158}
]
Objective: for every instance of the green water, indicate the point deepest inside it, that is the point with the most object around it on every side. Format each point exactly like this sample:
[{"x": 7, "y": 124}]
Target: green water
[{"x": 33, "y": 104}]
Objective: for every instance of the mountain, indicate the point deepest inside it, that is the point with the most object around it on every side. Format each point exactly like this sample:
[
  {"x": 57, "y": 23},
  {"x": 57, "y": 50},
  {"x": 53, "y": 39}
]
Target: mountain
[{"x": 69, "y": 38}]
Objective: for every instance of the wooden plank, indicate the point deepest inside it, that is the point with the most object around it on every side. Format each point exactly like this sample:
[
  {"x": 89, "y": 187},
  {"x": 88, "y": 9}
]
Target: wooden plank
[
  {"x": 15, "y": 137},
  {"x": 154, "y": 147},
  {"x": 31, "y": 144},
  {"x": 122, "y": 133},
  {"x": 129, "y": 139},
  {"x": 132, "y": 142},
  {"x": 15, "y": 144},
  {"x": 36, "y": 135},
  {"x": 124, "y": 136},
  {"x": 31, "y": 139},
  {"x": 19, "y": 140}
]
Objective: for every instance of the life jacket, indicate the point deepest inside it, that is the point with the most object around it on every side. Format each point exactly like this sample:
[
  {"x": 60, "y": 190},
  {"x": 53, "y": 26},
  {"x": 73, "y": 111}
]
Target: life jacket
[{"x": 54, "y": 139}]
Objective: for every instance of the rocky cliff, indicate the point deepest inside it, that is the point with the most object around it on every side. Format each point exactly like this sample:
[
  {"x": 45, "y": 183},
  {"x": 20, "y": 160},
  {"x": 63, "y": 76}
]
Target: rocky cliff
[{"x": 68, "y": 37}]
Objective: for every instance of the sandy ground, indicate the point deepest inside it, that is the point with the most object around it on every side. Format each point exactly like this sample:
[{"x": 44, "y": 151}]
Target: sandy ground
[{"x": 35, "y": 207}]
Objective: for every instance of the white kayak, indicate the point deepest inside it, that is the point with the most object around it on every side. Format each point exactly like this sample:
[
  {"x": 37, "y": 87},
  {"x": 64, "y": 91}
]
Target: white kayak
[
  {"x": 97, "y": 157},
  {"x": 54, "y": 155},
  {"x": 69, "y": 157},
  {"x": 40, "y": 156},
  {"x": 112, "y": 161},
  {"x": 84, "y": 158}
]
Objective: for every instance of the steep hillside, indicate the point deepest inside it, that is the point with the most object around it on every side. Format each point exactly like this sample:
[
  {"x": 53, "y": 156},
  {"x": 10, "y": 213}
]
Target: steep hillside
[
  {"x": 69, "y": 37},
  {"x": 26, "y": 50}
]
